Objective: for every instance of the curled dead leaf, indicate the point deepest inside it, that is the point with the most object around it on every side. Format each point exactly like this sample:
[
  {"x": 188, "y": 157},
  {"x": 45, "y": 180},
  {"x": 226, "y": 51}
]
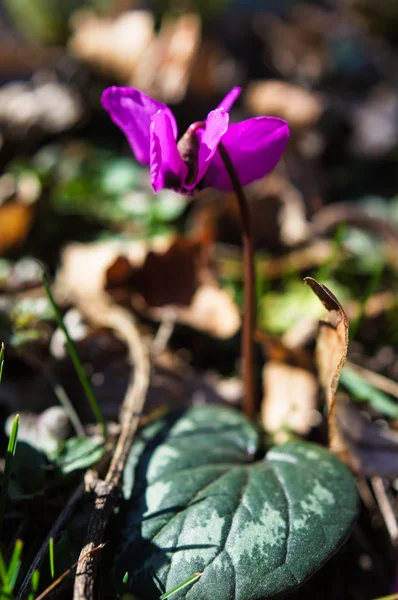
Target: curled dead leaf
[
  {"x": 364, "y": 446},
  {"x": 331, "y": 354}
]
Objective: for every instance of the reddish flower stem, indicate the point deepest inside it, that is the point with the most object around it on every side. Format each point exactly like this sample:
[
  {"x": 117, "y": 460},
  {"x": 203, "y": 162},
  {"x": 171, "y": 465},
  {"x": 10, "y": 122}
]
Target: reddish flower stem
[{"x": 249, "y": 307}]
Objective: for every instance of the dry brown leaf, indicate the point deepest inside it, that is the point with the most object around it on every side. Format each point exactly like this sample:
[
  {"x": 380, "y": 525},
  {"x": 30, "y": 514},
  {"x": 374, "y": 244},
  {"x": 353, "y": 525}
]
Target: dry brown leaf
[
  {"x": 212, "y": 310},
  {"x": 84, "y": 266},
  {"x": 154, "y": 277},
  {"x": 114, "y": 46},
  {"x": 128, "y": 48},
  {"x": 371, "y": 450},
  {"x": 165, "y": 69},
  {"x": 178, "y": 279},
  {"x": 331, "y": 354},
  {"x": 170, "y": 277},
  {"x": 283, "y": 409},
  {"x": 299, "y": 107},
  {"x": 279, "y": 350},
  {"x": 15, "y": 223}
]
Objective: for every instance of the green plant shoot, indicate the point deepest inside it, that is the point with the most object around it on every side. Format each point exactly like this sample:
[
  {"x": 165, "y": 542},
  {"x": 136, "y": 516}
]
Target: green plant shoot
[
  {"x": 51, "y": 557},
  {"x": 179, "y": 587},
  {"x": 34, "y": 582},
  {"x": 75, "y": 359},
  {"x": 12, "y": 444}
]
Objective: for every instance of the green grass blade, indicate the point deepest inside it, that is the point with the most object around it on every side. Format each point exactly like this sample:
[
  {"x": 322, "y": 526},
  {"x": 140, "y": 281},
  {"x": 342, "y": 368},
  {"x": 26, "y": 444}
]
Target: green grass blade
[
  {"x": 4, "y": 575},
  {"x": 2, "y": 351},
  {"x": 5, "y": 594},
  {"x": 51, "y": 556},
  {"x": 15, "y": 574},
  {"x": 15, "y": 564},
  {"x": 392, "y": 597},
  {"x": 363, "y": 391},
  {"x": 75, "y": 359},
  {"x": 12, "y": 444},
  {"x": 179, "y": 587},
  {"x": 34, "y": 583}
]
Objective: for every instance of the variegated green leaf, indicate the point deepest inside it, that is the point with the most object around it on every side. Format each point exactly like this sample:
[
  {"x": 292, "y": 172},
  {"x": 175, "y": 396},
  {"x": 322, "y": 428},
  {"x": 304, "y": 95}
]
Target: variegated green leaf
[{"x": 200, "y": 500}]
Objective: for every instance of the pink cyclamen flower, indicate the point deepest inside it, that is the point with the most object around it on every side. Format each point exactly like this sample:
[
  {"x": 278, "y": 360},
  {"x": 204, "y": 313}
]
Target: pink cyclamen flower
[{"x": 255, "y": 146}]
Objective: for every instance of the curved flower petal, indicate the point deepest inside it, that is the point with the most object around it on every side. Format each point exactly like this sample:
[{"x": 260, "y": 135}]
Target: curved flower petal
[
  {"x": 132, "y": 110},
  {"x": 209, "y": 138},
  {"x": 168, "y": 170},
  {"x": 255, "y": 147},
  {"x": 230, "y": 98}
]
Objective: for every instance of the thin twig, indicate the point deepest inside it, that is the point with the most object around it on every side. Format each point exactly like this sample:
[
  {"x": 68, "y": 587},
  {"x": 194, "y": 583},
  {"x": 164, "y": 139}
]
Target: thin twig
[
  {"x": 365, "y": 493},
  {"x": 107, "y": 491},
  {"x": 249, "y": 306},
  {"x": 55, "y": 583},
  {"x": 386, "y": 509},
  {"x": 53, "y": 533},
  {"x": 163, "y": 335}
]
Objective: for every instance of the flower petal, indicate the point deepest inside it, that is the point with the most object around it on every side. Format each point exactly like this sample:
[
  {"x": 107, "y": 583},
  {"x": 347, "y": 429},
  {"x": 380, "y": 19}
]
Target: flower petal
[
  {"x": 132, "y": 110},
  {"x": 216, "y": 126},
  {"x": 255, "y": 147},
  {"x": 230, "y": 98},
  {"x": 168, "y": 170}
]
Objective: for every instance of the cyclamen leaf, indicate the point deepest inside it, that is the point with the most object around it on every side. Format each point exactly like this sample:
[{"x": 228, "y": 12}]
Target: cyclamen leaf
[
  {"x": 197, "y": 501},
  {"x": 80, "y": 453}
]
